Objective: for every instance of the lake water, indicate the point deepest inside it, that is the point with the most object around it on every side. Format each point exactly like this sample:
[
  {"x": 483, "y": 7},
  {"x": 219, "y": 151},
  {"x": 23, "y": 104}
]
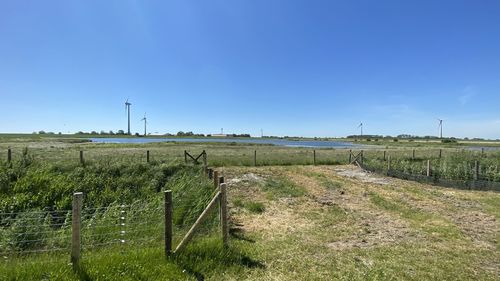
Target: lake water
[{"x": 278, "y": 142}]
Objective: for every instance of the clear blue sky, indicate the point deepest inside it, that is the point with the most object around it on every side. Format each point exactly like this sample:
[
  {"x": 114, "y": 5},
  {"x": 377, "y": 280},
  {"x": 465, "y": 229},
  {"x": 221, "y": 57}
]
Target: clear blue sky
[{"x": 301, "y": 68}]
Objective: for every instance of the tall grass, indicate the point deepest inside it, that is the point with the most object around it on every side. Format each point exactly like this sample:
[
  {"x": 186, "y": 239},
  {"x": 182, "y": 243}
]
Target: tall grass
[{"x": 36, "y": 199}]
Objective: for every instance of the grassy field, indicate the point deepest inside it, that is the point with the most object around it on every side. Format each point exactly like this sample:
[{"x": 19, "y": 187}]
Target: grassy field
[
  {"x": 339, "y": 223},
  {"x": 456, "y": 163},
  {"x": 315, "y": 223},
  {"x": 64, "y": 149},
  {"x": 288, "y": 221}
]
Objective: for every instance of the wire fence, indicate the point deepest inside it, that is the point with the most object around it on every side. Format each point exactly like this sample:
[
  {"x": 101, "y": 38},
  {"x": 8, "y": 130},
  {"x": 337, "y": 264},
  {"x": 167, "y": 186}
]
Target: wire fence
[
  {"x": 34, "y": 232},
  {"x": 235, "y": 155},
  {"x": 465, "y": 175},
  {"x": 141, "y": 223}
]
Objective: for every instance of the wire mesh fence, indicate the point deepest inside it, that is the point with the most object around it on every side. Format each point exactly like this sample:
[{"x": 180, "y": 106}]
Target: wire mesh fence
[
  {"x": 462, "y": 175},
  {"x": 126, "y": 226},
  {"x": 34, "y": 232}
]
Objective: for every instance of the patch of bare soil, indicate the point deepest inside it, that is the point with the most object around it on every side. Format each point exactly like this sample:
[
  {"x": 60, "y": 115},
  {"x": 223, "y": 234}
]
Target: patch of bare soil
[{"x": 362, "y": 175}]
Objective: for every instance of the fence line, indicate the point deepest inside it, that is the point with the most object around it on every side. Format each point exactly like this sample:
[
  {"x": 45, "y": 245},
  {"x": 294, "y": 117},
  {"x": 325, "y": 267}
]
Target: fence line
[
  {"x": 475, "y": 184},
  {"x": 139, "y": 223}
]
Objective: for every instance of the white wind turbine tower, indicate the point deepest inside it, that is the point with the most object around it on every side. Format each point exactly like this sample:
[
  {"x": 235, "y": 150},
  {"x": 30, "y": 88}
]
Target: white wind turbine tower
[
  {"x": 145, "y": 123},
  {"x": 440, "y": 128},
  {"x": 127, "y": 109},
  {"x": 361, "y": 127}
]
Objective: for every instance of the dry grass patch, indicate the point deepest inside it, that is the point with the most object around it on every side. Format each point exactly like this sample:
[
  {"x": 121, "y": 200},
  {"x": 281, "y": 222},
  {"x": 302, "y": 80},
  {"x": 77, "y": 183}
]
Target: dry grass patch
[{"x": 362, "y": 229}]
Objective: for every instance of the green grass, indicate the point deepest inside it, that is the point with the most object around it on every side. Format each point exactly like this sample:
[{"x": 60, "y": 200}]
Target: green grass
[
  {"x": 325, "y": 181},
  {"x": 279, "y": 188},
  {"x": 255, "y": 207},
  {"x": 433, "y": 224},
  {"x": 251, "y": 206},
  {"x": 492, "y": 205},
  {"x": 205, "y": 257}
]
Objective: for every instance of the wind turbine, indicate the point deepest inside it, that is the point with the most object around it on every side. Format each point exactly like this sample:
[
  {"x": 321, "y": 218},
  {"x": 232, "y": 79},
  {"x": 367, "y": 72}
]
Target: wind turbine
[
  {"x": 127, "y": 109},
  {"x": 361, "y": 126},
  {"x": 440, "y": 128},
  {"x": 145, "y": 123}
]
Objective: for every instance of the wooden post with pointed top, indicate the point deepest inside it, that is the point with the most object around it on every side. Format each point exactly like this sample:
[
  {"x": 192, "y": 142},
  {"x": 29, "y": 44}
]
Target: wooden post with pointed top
[
  {"x": 147, "y": 156},
  {"x": 185, "y": 157},
  {"x": 428, "y": 168},
  {"x": 314, "y": 157},
  {"x": 9, "y": 155},
  {"x": 413, "y": 154},
  {"x": 76, "y": 217},
  {"x": 168, "y": 222},
  {"x": 255, "y": 157},
  {"x": 350, "y": 156},
  {"x": 82, "y": 161},
  {"x": 384, "y": 156},
  {"x": 440, "y": 153}
]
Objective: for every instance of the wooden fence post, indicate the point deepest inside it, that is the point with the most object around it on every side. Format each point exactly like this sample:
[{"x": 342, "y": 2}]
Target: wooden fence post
[
  {"x": 255, "y": 157},
  {"x": 147, "y": 156},
  {"x": 314, "y": 157},
  {"x": 168, "y": 222},
  {"x": 440, "y": 153},
  {"x": 388, "y": 164},
  {"x": 482, "y": 151},
  {"x": 204, "y": 158},
  {"x": 413, "y": 154},
  {"x": 384, "y": 155},
  {"x": 216, "y": 179},
  {"x": 185, "y": 157},
  {"x": 476, "y": 170},
  {"x": 9, "y": 155},
  {"x": 362, "y": 157},
  {"x": 82, "y": 161},
  {"x": 76, "y": 217},
  {"x": 350, "y": 156},
  {"x": 428, "y": 168},
  {"x": 223, "y": 213}
]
